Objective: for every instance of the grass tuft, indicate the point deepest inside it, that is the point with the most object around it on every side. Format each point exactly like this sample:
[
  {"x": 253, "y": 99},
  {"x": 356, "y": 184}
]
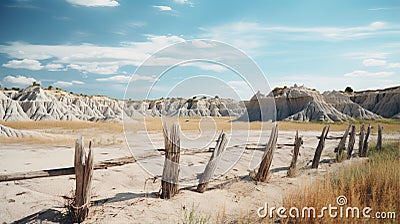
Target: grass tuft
[{"x": 374, "y": 183}]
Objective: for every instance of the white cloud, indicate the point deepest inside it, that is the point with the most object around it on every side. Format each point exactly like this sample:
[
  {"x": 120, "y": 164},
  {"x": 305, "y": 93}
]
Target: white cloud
[
  {"x": 54, "y": 67},
  {"x": 125, "y": 79},
  {"x": 77, "y": 82},
  {"x": 373, "y": 62},
  {"x": 202, "y": 44},
  {"x": 394, "y": 65},
  {"x": 207, "y": 66},
  {"x": 87, "y": 57},
  {"x": 162, "y": 7},
  {"x": 183, "y": 2},
  {"x": 117, "y": 78},
  {"x": 67, "y": 84},
  {"x": 359, "y": 73},
  {"x": 103, "y": 69},
  {"x": 136, "y": 24},
  {"x": 377, "y": 9},
  {"x": 137, "y": 77},
  {"x": 25, "y": 64},
  {"x": 32, "y": 64},
  {"x": 366, "y": 55},
  {"x": 241, "y": 88},
  {"x": 251, "y": 35},
  {"x": 18, "y": 81},
  {"x": 380, "y": 9},
  {"x": 94, "y": 3}
]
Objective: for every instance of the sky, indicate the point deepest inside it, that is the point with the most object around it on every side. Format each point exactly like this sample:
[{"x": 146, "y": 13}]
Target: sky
[{"x": 229, "y": 48}]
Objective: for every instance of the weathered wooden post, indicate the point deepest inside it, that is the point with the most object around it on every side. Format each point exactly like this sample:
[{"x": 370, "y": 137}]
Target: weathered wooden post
[
  {"x": 83, "y": 172},
  {"x": 320, "y": 147},
  {"x": 263, "y": 171},
  {"x": 361, "y": 141},
  {"x": 298, "y": 141},
  {"x": 340, "y": 148},
  {"x": 365, "y": 146},
  {"x": 379, "y": 140},
  {"x": 352, "y": 140},
  {"x": 212, "y": 163},
  {"x": 170, "y": 176}
]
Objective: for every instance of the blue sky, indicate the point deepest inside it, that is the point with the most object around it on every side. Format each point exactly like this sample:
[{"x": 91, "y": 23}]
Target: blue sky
[{"x": 95, "y": 46}]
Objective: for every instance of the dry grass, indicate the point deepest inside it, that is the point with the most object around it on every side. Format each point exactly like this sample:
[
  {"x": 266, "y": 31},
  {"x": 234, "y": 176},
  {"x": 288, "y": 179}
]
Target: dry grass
[
  {"x": 192, "y": 123},
  {"x": 375, "y": 184},
  {"x": 196, "y": 123},
  {"x": 66, "y": 132},
  {"x": 68, "y": 125},
  {"x": 389, "y": 126},
  {"x": 109, "y": 133},
  {"x": 67, "y": 141}
]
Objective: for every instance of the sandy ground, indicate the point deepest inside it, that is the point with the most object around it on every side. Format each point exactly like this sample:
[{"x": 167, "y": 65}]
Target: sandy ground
[{"x": 128, "y": 193}]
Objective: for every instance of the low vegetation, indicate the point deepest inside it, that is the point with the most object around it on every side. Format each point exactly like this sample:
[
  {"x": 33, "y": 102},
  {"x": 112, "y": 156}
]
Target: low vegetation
[{"x": 374, "y": 183}]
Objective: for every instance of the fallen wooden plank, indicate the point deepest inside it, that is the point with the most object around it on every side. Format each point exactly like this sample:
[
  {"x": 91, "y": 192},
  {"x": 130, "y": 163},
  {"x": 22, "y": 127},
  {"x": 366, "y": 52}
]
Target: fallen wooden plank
[
  {"x": 254, "y": 146},
  {"x": 114, "y": 162},
  {"x": 64, "y": 171},
  {"x": 37, "y": 174},
  {"x": 331, "y": 137}
]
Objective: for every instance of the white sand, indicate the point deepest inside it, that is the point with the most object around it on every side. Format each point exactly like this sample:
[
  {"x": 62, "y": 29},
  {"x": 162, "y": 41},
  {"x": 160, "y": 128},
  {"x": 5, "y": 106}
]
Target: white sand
[{"x": 119, "y": 194}]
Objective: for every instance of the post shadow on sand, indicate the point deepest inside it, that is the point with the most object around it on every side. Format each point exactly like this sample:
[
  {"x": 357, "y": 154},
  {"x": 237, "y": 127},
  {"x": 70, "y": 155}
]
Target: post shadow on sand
[
  {"x": 48, "y": 215},
  {"x": 53, "y": 215},
  {"x": 121, "y": 197},
  {"x": 241, "y": 178}
]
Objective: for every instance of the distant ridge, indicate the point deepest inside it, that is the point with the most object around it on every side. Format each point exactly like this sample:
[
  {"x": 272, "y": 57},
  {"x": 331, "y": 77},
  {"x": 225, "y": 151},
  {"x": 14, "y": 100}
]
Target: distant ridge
[
  {"x": 36, "y": 103},
  {"x": 292, "y": 103},
  {"x": 299, "y": 103}
]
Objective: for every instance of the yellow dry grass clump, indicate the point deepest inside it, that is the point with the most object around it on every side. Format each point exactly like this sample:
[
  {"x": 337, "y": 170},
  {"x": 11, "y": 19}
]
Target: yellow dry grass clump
[
  {"x": 374, "y": 184},
  {"x": 68, "y": 125}
]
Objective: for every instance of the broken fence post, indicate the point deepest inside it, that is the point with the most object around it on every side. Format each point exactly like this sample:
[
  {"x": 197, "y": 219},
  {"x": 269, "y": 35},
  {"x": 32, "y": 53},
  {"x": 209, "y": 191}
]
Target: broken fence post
[
  {"x": 352, "y": 140},
  {"x": 365, "y": 146},
  {"x": 320, "y": 147},
  {"x": 342, "y": 145},
  {"x": 298, "y": 141},
  {"x": 379, "y": 140},
  {"x": 361, "y": 141},
  {"x": 83, "y": 172},
  {"x": 212, "y": 163},
  {"x": 170, "y": 176},
  {"x": 263, "y": 171}
]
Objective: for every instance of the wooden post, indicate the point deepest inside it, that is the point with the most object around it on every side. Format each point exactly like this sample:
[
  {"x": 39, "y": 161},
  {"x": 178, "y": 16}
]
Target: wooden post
[
  {"x": 263, "y": 171},
  {"x": 379, "y": 140},
  {"x": 170, "y": 176},
  {"x": 83, "y": 172},
  {"x": 361, "y": 141},
  {"x": 212, "y": 163},
  {"x": 365, "y": 146},
  {"x": 340, "y": 149},
  {"x": 320, "y": 147},
  {"x": 297, "y": 143},
  {"x": 352, "y": 140}
]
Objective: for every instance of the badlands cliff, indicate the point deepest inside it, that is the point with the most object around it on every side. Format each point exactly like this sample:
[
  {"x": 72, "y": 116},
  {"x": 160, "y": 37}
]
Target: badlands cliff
[
  {"x": 293, "y": 103},
  {"x": 35, "y": 103},
  {"x": 304, "y": 104},
  {"x": 384, "y": 102}
]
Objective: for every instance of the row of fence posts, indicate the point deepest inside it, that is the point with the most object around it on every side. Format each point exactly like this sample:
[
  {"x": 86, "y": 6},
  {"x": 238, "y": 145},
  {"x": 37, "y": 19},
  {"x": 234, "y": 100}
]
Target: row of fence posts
[{"x": 169, "y": 185}]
